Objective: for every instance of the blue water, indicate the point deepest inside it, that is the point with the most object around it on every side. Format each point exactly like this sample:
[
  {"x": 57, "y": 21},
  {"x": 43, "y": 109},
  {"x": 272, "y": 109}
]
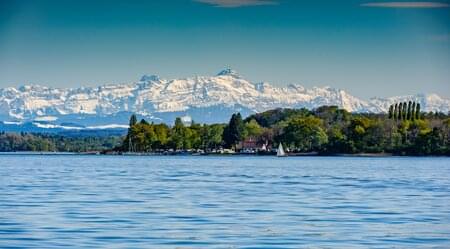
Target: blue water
[{"x": 223, "y": 202}]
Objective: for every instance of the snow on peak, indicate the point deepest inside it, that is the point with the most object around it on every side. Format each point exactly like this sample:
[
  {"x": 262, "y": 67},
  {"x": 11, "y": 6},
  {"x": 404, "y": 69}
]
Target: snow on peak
[
  {"x": 260, "y": 86},
  {"x": 228, "y": 72},
  {"x": 152, "y": 96},
  {"x": 434, "y": 97},
  {"x": 151, "y": 77},
  {"x": 32, "y": 87}
]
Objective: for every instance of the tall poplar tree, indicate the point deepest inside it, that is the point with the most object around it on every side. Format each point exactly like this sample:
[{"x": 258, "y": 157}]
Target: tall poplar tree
[
  {"x": 418, "y": 111},
  {"x": 396, "y": 111},
  {"x": 391, "y": 110},
  {"x": 404, "y": 111},
  {"x": 408, "y": 115}
]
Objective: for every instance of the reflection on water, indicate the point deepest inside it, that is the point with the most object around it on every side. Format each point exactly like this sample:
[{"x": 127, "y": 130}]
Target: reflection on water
[{"x": 223, "y": 202}]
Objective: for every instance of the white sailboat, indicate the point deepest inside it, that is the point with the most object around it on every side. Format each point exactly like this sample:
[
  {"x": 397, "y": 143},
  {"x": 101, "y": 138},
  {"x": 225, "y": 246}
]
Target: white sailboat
[{"x": 280, "y": 151}]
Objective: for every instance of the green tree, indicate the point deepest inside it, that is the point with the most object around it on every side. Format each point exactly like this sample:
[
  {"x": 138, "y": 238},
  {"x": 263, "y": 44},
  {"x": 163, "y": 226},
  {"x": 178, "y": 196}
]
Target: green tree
[
  {"x": 143, "y": 121},
  {"x": 211, "y": 136},
  {"x": 404, "y": 111},
  {"x": 195, "y": 136},
  {"x": 133, "y": 120},
  {"x": 162, "y": 134},
  {"x": 391, "y": 111},
  {"x": 305, "y": 134},
  {"x": 252, "y": 129},
  {"x": 356, "y": 133},
  {"x": 234, "y": 131},
  {"x": 418, "y": 111},
  {"x": 128, "y": 143},
  {"x": 337, "y": 141},
  {"x": 141, "y": 137},
  {"x": 178, "y": 135},
  {"x": 396, "y": 111},
  {"x": 408, "y": 115}
]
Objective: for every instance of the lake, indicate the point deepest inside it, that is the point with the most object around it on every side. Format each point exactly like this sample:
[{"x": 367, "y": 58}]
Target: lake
[{"x": 60, "y": 201}]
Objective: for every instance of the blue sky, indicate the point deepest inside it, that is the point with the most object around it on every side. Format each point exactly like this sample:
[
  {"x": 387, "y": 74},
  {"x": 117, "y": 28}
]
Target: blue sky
[{"x": 370, "y": 48}]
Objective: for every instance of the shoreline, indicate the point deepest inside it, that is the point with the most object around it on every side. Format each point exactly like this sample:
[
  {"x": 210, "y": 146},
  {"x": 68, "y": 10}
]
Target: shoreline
[{"x": 295, "y": 155}]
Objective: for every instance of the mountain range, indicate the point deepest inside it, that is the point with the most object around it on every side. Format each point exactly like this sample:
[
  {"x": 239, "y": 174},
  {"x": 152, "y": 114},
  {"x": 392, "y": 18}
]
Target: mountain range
[{"x": 201, "y": 98}]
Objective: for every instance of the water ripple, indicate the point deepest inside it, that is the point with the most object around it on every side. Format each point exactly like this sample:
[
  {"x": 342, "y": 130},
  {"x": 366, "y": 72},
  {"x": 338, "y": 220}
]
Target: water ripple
[{"x": 223, "y": 202}]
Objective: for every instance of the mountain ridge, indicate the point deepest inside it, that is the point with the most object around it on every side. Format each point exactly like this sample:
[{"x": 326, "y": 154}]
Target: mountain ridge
[{"x": 205, "y": 98}]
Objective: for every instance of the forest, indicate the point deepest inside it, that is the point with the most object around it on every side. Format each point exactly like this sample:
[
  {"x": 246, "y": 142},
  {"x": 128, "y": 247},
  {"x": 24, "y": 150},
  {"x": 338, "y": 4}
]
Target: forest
[
  {"x": 327, "y": 130},
  {"x": 23, "y": 141}
]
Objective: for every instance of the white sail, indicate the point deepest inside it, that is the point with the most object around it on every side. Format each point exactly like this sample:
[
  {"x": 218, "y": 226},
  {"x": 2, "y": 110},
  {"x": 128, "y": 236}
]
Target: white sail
[{"x": 280, "y": 151}]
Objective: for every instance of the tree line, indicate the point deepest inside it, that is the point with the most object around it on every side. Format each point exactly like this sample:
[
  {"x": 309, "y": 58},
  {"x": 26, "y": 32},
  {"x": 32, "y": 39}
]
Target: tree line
[
  {"x": 145, "y": 137},
  {"x": 327, "y": 130},
  {"x": 51, "y": 142},
  {"x": 404, "y": 130},
  {"x": 404, "y": 111}
]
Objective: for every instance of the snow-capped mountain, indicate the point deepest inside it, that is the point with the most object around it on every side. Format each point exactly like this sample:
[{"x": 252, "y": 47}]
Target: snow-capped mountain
[
  {"x": 204, "y": 98},
  {"x": 428, "y": 102}
]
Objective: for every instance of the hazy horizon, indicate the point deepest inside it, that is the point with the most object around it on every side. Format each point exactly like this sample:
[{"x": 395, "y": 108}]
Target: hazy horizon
[{"x": 367, "y": 48}]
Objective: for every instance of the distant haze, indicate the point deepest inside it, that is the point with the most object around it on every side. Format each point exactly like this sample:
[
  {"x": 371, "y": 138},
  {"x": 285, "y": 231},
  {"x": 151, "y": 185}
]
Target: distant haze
[{"x": 367, "y": 48}]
